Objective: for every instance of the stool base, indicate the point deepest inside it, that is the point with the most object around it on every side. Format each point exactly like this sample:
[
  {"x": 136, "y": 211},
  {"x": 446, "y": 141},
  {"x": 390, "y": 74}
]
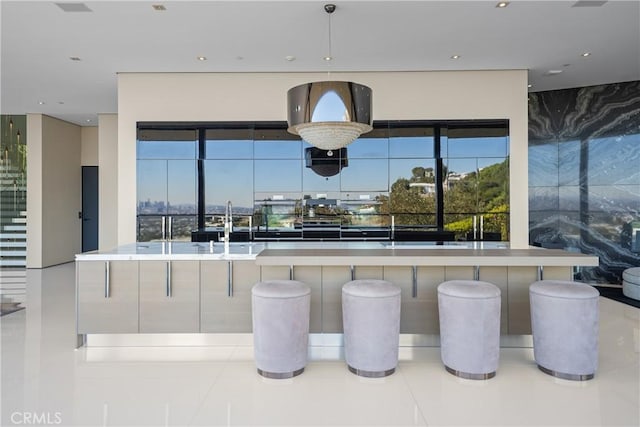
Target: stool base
[
  {"x": 371, "y": 374},
  {"x": 468, "y": 376},
  {"x": 561, "y": 375},
  {"x": 280, "y": 375}
]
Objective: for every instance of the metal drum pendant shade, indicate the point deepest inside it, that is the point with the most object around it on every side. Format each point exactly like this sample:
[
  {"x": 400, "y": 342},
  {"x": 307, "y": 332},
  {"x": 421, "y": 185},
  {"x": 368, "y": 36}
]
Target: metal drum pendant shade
[{"x": 329, "y": 114}]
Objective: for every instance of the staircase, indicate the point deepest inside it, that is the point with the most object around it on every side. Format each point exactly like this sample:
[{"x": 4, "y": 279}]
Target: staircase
[{"x": 13, "y": 235}]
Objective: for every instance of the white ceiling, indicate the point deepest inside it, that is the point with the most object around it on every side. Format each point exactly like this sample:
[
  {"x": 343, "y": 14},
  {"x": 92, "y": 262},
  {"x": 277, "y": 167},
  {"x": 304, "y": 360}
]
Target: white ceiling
[{"x": 38, "y": 39}]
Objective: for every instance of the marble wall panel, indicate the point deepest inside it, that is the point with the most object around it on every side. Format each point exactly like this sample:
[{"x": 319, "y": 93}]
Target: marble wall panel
[
  {"x": 543, "y": 165},
  {"x": 585, "y": 142}
]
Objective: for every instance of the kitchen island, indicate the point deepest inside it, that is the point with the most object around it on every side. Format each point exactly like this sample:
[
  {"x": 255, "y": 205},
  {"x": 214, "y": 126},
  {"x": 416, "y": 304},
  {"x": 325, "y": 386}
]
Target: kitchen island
[{"x": 192, "y": 290}]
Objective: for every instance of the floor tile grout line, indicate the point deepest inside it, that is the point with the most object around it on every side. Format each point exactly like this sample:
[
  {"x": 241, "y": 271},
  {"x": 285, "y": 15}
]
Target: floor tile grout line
[
  {"x": 415, "y": 401},
  {"x": 213, "y": 383}
]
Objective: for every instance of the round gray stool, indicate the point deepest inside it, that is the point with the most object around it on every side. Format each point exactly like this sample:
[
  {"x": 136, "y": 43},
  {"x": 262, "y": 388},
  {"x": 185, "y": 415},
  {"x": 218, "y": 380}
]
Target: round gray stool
[
  {"x": 564, "y": 323},
  {"x": 631, "y": 283},
  {"x": 280, "y": 310},
  {"x": 469, "y": 312},
  {"x": 371, "y": 319}
]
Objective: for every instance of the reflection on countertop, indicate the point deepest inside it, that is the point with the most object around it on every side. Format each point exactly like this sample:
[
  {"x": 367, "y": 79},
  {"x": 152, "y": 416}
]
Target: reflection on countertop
[{"x": 248, "y": 250}]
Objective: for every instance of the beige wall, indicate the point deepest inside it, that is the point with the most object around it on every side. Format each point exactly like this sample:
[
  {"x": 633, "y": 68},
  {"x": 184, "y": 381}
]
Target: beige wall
[
  {"x": 262, "y": 96},
  {"x": 108, "y": 181},
  {"x": 89, "y": 137},
  {"x": 54, "y": 231}
]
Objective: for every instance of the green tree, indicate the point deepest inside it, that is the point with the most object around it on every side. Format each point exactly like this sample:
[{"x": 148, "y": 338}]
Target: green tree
[{"x": 485, "y": 192}]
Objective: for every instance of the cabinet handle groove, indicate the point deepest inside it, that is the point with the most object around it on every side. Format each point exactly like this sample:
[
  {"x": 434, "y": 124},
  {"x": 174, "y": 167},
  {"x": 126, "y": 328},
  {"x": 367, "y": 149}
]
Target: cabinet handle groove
[
  {"x": 230, "y": 279},
  {"x": 107, "y": 280},
  {"x": 169, "y": 290},
  {"x": 414, "y": 281}
]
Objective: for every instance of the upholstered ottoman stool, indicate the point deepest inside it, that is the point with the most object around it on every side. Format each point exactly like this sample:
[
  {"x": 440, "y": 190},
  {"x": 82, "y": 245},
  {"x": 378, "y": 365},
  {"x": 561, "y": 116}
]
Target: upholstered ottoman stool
[
  {"x": 564, "y": 323},
  {"x": 631, "y": 283},
  {"x": 280, "y": 311},
  {"x": 469, "y": 313},
  {"x": 371, "y": 319}
]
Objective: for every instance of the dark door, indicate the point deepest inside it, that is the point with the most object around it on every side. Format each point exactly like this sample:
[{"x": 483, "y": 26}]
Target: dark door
[{"x": 89, "y": 208}]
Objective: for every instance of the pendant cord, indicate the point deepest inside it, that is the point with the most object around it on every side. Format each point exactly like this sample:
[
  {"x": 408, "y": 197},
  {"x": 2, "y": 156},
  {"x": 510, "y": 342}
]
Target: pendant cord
[{"x": 329, "y": 8}]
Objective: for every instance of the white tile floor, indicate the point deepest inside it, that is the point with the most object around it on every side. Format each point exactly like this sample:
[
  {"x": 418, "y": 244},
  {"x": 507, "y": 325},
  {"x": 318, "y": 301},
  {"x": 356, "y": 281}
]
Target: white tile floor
[{"x": 46, "y": 381}]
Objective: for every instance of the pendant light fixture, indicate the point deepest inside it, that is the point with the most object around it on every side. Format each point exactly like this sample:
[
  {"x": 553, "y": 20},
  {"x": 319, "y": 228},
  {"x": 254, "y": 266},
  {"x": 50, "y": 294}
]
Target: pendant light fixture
[{"x": 329, "y": 114}]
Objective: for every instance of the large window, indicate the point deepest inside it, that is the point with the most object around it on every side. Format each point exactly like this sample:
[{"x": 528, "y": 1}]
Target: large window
[
  {"x": 476, "y": 180},
  {"x": 401, "y": 179},
  {"x": 167, "y": 184}
]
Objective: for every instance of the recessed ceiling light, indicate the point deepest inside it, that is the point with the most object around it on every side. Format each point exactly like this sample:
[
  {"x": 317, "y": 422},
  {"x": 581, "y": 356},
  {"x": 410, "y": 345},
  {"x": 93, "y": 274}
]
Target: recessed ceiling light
[
  {"x": 328, "y": 58},
  {"x": 75, "y": 58},
  {"x": 41, "y": 102},
  {"x": 201, "y": 58},
  {"x": 290, "y": 58},
  {"x": 502, "y": 4},
  {"x": 158, "y": 7},
  {"x": 585, "y": 54},
  {"x": 529, "y": 85},
  {"x": 88, "y": 120},
  {"x": 455, "y": 56},
  {"x": 553, "y": 72}
]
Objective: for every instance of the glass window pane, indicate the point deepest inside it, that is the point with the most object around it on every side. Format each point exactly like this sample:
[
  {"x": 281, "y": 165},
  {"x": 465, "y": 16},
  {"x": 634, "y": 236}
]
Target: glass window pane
[
  {"x": 278, "y": 215},
  {"x": 413, "y": 191},
  {"x": 181, "y": 183},
  {"x": 278, "y": 175},
  {"x": 167, "y": 144},
  {"x": 410, "y": 147},
  {"x": 460, "y": 186},
  {"x": 412, "y": 203},
  {"x": 149, "y": 228},
  {"x": 322, "y": 171},
  {"x": 415, "y": 170},
  {"x": 493, "y": 184},
  {"x": 365, "y": 209},
  {"x": 152, "y": 186},
  {"x": 229, "y": 144},
  {"x": 365, "y": 175},
  {"x": 369, "y": 148},
  {"x": 312, "y": 182},
  {"x": 477, "y": 142},
  {"x": 278, "y": 149},
  {"x": 228, "y": 180},
  {"x": 411, "y": 142},
  {"x": 455, "y": 168},
  {"x": 182, "y": 225}
]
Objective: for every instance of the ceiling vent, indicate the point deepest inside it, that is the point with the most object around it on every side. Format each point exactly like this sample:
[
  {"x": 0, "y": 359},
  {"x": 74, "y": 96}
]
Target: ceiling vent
[
  {"x": 588, "y": 3},
  {"x": 74, "y": 7}
]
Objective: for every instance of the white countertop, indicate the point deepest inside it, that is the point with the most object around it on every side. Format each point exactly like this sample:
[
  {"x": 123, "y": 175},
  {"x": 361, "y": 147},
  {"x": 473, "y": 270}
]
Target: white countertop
[
  {"x": 348, "y": 253},
  {"x": 176, "y": 251}
]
